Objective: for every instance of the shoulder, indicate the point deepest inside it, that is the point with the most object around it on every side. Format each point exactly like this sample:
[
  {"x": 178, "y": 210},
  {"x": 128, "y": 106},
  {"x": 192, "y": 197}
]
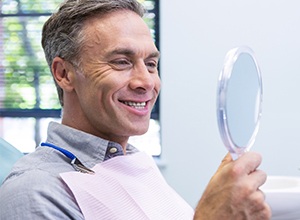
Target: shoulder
[{"x": 36, "y": 191}]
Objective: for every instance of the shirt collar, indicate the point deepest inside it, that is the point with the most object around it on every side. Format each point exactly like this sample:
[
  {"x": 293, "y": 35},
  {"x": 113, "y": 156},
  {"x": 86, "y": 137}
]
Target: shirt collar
[{"x": 89, "y": 149}]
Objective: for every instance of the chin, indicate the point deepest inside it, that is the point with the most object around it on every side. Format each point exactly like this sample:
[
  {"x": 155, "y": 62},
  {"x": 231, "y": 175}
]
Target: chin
[{"x": 140, "y": 131}]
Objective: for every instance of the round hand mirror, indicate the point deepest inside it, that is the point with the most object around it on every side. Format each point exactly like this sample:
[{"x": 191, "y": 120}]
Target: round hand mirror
[{"x": 239, "y": 100}]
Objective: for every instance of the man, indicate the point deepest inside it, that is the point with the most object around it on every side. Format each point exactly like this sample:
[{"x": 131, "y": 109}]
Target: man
[{"x": 104, "y": 64}]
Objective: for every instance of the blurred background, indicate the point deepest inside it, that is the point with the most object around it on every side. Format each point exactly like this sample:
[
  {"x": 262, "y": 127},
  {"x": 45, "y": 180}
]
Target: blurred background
[{"x": 194, "y": 38}]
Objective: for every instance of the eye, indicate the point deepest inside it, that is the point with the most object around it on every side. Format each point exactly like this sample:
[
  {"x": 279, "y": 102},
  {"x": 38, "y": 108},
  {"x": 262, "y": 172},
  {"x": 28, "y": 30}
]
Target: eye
[
  {"x": 121, "y": 64},
  {"x": 151, "y": 65}
]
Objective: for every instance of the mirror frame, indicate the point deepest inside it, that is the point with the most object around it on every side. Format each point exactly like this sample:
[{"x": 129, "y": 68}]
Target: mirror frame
[{"x": 230, "y": 59}]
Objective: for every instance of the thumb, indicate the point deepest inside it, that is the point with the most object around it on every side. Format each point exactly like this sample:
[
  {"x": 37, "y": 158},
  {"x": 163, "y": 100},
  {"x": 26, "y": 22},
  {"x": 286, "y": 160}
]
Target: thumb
[{"x": 226, "y": 160}]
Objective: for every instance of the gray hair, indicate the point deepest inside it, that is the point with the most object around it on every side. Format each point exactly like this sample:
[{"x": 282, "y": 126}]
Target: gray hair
[{"x": 62, "y": 34}]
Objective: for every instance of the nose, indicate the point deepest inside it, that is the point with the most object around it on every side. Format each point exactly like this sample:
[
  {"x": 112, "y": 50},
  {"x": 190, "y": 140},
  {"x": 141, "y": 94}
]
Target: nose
[{"x": 142, "y": 80}]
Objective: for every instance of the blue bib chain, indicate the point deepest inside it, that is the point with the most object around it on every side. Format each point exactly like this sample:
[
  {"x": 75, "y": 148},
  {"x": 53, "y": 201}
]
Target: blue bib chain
[{"x": 74, "y": 160}]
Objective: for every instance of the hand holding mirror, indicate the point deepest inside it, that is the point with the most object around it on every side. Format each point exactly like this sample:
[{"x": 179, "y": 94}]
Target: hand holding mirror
[
  {"x": 239, "y": 102},
  {"x": 239, "y": 99}
]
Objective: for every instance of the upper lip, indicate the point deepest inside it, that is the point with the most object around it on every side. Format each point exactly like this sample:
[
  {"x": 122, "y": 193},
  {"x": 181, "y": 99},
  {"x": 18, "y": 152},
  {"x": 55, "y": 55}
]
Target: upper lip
[
  {"x": 132, "y": 101},
  {"x": 135, "y": 100}
]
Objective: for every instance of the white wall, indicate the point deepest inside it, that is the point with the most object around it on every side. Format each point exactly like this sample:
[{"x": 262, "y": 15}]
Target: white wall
[{"x": 195, "y": 36}]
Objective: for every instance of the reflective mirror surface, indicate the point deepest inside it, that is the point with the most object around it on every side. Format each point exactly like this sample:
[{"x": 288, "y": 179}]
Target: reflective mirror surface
[{"x": 239, "y": 100}]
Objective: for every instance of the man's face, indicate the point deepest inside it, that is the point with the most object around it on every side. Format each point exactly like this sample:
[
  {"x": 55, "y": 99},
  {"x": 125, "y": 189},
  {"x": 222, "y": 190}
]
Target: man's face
[{"x": 118, "y": 83}]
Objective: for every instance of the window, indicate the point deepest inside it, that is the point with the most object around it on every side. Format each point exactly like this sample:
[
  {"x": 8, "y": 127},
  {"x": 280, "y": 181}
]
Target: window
[{"x": 28, "y": 98}]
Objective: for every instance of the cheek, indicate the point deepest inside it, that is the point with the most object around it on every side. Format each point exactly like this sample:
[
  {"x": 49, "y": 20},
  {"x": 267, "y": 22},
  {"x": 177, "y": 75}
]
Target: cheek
[
  {"x": 157, "y": 83},
  {"x": 107, "y": 90}
]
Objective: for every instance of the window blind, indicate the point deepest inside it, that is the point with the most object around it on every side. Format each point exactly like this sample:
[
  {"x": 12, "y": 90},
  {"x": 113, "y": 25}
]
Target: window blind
[{"x": 26, "y": 85}]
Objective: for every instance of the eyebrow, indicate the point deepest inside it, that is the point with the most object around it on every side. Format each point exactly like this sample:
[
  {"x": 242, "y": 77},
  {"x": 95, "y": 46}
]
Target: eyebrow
[{"x": 129, "y": 52}]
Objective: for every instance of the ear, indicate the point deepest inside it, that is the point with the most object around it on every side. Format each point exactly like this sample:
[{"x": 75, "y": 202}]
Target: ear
[{"x": 63, "y": 73}]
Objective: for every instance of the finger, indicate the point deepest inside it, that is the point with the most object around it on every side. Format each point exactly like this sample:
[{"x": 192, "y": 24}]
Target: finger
[
  {"x": 259, "y": 205},
  {"x": 262, "y": 193},
  {"x": 257, "y": 178},
  {"x": 249, "y": 161}
]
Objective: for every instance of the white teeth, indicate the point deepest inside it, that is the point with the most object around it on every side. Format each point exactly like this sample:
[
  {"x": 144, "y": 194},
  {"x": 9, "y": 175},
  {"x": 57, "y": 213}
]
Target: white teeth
[{"x": 136, "y": 104}]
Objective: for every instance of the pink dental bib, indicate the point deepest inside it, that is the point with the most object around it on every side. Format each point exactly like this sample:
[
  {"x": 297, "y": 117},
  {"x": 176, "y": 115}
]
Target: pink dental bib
[{"x": 129, "y": 188}]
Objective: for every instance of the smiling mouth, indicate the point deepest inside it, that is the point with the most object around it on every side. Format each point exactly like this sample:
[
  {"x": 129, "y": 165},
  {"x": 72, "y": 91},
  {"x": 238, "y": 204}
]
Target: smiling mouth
[{"x": 136, "y": 105}]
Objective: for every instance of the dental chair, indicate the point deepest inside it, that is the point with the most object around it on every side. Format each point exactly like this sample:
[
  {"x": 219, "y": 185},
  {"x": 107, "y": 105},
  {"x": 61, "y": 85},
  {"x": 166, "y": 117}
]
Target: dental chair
[{"x": 8, "y": 156}]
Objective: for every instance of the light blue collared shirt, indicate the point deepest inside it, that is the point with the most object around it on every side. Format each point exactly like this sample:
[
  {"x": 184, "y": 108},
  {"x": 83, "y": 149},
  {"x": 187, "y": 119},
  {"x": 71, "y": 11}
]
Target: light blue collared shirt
[{"x": 34, "y": 189}]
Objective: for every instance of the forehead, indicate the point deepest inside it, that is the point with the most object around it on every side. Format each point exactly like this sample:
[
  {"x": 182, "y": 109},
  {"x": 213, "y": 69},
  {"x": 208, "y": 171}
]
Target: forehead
[{"x": 117, "y": 29}]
